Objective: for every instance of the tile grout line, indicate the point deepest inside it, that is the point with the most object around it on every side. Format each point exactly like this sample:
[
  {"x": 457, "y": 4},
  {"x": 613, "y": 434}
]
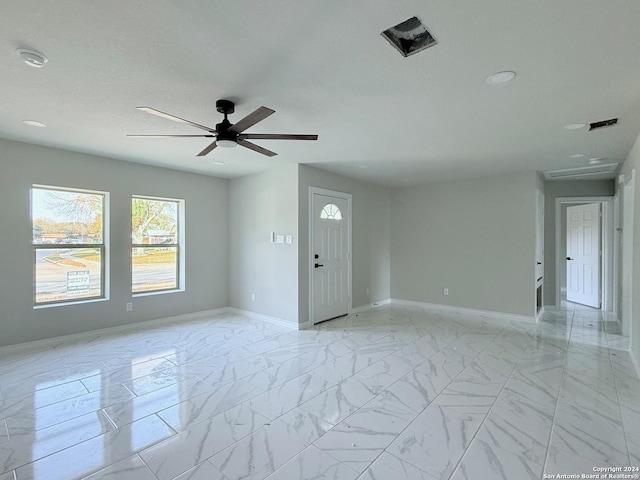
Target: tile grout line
[
  {"x": 555, "y": 411},
  {"x": 453, "y": 408},
  {"x": 487, "y": 416},
  {"x": 624, "y": 430}
]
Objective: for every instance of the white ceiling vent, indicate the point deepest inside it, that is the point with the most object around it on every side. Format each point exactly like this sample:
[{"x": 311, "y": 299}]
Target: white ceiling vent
[
  {"x": 409, "y": 37},
  {"x": 574, "y": 173}
]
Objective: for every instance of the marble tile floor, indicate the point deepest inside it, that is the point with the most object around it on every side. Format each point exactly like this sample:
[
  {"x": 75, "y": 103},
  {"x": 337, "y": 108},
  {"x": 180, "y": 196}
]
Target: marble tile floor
[{"x": 390, "y": 393}]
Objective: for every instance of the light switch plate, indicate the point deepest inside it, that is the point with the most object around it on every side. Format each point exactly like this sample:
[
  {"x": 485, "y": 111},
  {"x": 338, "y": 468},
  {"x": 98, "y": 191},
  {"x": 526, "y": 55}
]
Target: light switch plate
[
  {"x": 289, "y": 239},
  {"x": 279, "y": 238}
]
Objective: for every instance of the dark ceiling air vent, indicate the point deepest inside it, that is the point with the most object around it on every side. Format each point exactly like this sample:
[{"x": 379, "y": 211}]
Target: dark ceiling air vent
[
  {"x": 605, "y": 123},
  {"x": 409, "y": 37}
]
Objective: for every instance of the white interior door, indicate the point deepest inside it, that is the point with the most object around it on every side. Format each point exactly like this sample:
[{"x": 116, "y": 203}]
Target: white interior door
[
  {"x": 330, "y": 238},
  {"x": 583, "y": 254}
]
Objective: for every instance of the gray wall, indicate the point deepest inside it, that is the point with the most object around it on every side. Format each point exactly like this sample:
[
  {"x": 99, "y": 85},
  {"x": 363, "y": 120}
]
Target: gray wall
[
  {"x": 476, "y": 237},
  {"x": 22, "y": 165},
  {"x": 553, "y": 190},
  {"x": 633, "y": 162},
  {"x": 260, "y": 204},
  {"x": 370, "y": 236}
]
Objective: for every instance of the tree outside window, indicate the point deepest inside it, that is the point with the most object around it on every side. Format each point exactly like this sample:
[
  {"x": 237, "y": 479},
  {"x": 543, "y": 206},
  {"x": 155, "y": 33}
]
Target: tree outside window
[
  {"x": 68, "y": 244},
  {"x": 155, "y": 244}
]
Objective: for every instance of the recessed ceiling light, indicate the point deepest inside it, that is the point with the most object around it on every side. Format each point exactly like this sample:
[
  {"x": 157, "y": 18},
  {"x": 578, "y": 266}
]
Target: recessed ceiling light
[
  {"x": 32, "y": 58},
  {"x": 575, "y": 126},
  {"x": 577, "y": 155},
  {"x": 219, "y": 163},
  {"x": 34, "y": 123},
  {"x": 363, "y": 166},
  {"x": 501, "y": 78},
  {"x": 595, "y": 161}
]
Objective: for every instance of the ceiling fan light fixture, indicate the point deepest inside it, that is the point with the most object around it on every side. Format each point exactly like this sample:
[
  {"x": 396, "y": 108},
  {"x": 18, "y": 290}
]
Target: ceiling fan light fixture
[{"x": 226, "y": 143}]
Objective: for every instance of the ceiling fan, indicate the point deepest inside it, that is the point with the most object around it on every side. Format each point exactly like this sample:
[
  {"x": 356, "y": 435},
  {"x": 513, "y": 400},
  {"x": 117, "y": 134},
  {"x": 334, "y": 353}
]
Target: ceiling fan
[{"x": 228, "y": 134}]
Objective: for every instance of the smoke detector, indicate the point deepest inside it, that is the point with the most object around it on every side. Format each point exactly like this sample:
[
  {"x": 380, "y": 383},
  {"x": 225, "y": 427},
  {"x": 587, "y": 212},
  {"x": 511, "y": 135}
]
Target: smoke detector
[{"x": 32, "y": 58}]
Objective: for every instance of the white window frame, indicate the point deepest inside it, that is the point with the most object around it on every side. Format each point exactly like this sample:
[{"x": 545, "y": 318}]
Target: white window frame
[
  {"x": 104, "y": 249},
  {"x": 179, "y": 245}
]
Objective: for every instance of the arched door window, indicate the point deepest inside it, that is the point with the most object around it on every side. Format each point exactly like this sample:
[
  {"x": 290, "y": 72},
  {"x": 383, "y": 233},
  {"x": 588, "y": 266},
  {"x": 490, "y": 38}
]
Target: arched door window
[{"x": 331, "y": 212}]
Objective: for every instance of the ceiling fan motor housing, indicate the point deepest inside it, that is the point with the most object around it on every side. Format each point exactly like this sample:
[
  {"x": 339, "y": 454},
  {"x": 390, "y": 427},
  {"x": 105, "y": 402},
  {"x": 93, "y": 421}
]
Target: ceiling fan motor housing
[
  {"x": 227, "y": 107},
  {"x": 224, "y": 133}
]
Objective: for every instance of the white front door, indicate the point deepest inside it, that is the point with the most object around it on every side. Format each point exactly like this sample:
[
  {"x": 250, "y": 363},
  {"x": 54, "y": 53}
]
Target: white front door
[
  {"x": 583, "y": 254},
  {"x": 330, "y": 238}
]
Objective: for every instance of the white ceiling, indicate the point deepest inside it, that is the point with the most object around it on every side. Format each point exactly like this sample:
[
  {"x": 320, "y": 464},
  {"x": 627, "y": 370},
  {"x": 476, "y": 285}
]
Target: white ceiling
[{"x": 325, "y": 69}]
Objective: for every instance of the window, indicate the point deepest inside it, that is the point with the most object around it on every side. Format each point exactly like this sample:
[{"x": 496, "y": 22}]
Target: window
[
  {"x": 155, "y": 244},
  {"x": 331, "y": 212},
  {"x": 68, "y": 244}
]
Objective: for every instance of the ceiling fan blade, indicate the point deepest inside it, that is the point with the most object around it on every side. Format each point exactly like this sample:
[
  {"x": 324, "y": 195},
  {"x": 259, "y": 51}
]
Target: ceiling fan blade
[
  {"x": 256, "y": 148},
  {"x": 171, "y": 136},
  {"x": 251, "y": 119},
  {"x": 208, "y": 149},
  {"x": 277, "y": 136},
  {"x": 153, "y": 111}
]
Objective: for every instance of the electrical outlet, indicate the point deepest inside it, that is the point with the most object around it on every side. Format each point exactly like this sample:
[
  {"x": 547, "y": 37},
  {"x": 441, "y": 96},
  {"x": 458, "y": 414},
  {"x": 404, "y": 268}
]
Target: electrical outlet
[
  {"x": 129, "y": 306},
  {"x": 253, "y": 297},
  {"x": 445, "y": 291}
]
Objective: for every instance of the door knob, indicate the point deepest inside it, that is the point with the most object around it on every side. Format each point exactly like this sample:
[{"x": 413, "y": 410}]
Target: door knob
[
  {"x": 318, "y": 265},
  {"x": 569, "y": 258}
]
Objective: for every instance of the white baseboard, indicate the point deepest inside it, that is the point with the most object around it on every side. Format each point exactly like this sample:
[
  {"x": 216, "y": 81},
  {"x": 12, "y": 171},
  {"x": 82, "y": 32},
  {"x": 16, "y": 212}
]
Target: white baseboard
[
  {"x": 265, "y": 318},
  {"x": 45, "y": 342},
  {"x": 369, "y": 306},
  {"x": 635, "y": 360},
  {"x": 464, "y": 310}
]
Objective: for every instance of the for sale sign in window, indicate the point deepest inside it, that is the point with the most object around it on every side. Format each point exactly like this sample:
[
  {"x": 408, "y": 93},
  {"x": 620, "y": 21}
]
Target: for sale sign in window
[{"x": 78, "y": 282}]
